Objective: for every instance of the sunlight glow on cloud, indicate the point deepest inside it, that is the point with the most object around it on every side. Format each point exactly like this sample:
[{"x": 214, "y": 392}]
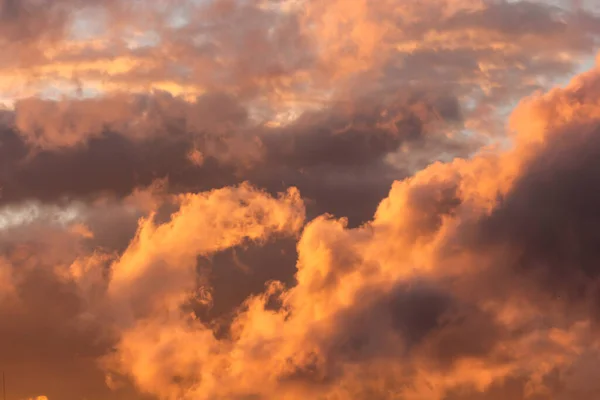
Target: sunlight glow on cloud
[{"x": 299, "y": 199}]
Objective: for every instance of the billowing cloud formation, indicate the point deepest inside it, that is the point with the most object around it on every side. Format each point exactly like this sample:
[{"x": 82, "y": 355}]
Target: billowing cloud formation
[
  {"x": 236, "y": 199},
  {"x": 431, "y": 298}
]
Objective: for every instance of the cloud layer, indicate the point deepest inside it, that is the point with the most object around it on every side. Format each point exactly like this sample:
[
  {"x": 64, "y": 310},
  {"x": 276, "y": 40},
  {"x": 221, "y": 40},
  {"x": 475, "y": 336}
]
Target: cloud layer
[{"x": 259, "y": 200}]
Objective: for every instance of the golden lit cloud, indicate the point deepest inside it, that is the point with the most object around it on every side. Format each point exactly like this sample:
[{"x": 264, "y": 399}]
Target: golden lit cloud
[{"x": 241, "y": 200}]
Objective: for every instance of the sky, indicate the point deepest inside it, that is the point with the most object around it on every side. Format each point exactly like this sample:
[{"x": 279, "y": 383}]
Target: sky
[{"x": 300, "y": 199}]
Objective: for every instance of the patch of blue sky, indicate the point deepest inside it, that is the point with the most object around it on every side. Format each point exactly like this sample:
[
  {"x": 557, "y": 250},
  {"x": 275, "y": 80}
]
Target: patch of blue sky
[
  {"x": 24, "y": 214},
  {"x": 504, "y": 111},
  {"x": 70, "y": 90},
  {"x": 179, "y": 16},
  {"x": 587, "y": 64},
  {"x": 144, "y": 39},
  {"x": 88, "y": 23}
]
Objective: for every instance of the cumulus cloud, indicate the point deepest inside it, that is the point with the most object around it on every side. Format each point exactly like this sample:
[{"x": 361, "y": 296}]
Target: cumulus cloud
[{"x": 386, "y": 309}]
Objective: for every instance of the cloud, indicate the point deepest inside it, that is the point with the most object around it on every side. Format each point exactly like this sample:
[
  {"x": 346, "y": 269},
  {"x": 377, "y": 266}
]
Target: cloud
[
  {"x": 299, "y": 199},
  {"x": 47, "y": 346},
  {"x": 51, "y": 264},
  {"x": 130, "y": 141},
  {"x": 391, "y": 298}
]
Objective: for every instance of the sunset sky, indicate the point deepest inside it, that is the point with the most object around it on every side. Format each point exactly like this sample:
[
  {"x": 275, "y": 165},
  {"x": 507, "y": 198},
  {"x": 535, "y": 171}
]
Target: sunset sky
[{"x": 300, "y": 199}]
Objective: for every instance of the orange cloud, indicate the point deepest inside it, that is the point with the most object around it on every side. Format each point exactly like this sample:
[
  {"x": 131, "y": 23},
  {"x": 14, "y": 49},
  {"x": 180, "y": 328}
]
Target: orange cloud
[
  {"x": 323, "y": 202},
  {"x": 358, "y": 309}
]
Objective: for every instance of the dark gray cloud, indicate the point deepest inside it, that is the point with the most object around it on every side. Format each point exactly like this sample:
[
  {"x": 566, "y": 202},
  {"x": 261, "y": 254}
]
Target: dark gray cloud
[
  {"x": 335, "y": 157},
  {"x": 547, "y": 223}
]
